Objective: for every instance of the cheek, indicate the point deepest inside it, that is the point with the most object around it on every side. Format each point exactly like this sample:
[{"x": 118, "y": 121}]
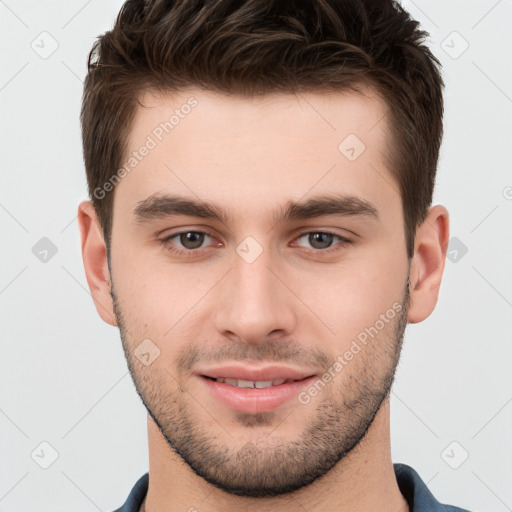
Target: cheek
[
  {"x": 143, "y": 299},
  {"x": 349, "y": 298},
  {"x": 158, "y": 300}
]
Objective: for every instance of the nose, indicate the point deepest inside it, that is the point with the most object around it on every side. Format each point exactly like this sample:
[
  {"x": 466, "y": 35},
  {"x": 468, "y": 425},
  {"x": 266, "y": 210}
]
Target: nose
[{"x": 254, "y": 304}]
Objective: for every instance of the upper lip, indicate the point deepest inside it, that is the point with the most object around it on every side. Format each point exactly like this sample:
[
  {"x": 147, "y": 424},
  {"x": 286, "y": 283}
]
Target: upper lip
[{"x": 268, "y": 373}]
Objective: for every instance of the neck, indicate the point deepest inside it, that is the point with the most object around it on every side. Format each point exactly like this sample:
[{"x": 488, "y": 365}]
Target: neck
[{"x": 361, "y": 482}]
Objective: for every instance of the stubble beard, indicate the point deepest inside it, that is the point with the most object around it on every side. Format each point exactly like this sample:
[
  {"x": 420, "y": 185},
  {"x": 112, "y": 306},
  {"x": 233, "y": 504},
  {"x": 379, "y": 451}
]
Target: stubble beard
[{"x": 339, "y": 419}]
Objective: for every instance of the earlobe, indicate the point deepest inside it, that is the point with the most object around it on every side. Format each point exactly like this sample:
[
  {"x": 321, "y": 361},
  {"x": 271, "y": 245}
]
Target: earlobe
[
  {"x": 94, "y": 255},
  {"x": 427, "y": 265}
]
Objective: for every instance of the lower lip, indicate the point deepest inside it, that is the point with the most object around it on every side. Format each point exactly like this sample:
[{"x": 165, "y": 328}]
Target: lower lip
[{"x": 253, "y": 400}]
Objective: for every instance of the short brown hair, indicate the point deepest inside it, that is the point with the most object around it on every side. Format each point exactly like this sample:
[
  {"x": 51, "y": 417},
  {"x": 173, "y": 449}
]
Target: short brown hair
[{"x": 254, "y": 47}]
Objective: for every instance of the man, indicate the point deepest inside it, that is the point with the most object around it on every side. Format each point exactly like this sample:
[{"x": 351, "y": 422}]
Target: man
[{"x": 260, "y": 230}]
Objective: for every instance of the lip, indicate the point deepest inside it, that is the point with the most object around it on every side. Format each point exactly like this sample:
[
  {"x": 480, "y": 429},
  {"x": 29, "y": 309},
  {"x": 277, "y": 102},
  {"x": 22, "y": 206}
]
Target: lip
[
  {"x": 245, "y": 373},
  {"x": 255, "y": 400}
]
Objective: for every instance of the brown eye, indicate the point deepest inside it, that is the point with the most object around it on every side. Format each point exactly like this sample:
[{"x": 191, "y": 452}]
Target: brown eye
[
  {"x": 322, "y": 241},
  {"x": 191, "y": 239},
  {"x": 186, "y": 243}
]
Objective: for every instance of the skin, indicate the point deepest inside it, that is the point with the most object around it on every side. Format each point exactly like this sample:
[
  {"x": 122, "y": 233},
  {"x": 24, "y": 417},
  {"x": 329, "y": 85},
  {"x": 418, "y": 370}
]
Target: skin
[{"x": 290, "y": 305}]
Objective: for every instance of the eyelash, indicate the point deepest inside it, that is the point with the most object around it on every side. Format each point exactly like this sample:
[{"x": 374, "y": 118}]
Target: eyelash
[{"x": 166, "y": 242}]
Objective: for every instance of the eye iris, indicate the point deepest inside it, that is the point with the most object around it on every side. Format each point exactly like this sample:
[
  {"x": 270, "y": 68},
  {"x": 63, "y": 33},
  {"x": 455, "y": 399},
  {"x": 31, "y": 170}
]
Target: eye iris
[
  {"x": 325, "y": 240},
  {"x": 196, "y": 239}
]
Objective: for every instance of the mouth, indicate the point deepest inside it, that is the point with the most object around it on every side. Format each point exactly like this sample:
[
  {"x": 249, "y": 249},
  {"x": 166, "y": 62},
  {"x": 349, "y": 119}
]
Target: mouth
[
  {"x": 258, "y": 384},
  {"x": 255, "y": 390}
]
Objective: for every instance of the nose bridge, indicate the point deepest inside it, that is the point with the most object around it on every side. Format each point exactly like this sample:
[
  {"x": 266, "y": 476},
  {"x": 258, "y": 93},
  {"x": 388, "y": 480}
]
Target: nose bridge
[
  {"x": 253, "y": 280},
  {"x": 254, "y": 302}
]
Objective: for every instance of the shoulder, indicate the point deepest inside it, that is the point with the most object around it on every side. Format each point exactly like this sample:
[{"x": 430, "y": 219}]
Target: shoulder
[
  {"x": 416, "y": 492},
  {"x": 136, "y": 496}
]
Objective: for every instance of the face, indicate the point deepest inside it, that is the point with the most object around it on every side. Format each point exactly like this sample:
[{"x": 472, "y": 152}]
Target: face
[{"x": 262, "y": 306}]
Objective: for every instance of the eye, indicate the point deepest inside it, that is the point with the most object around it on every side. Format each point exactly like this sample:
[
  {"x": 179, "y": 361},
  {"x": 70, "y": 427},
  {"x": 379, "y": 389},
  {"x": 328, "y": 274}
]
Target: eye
[
  {"x": 190, "y": 241},
  {"x": 322, "y": 241}
]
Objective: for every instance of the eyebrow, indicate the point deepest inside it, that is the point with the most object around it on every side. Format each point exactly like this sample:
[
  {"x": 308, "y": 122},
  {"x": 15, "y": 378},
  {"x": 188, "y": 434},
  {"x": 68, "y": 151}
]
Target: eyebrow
[{"x": 158, "y": 206}]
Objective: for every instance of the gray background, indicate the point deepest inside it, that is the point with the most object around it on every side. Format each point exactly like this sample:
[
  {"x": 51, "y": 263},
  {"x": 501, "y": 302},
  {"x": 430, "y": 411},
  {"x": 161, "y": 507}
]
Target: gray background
[{"x": 63, "y": 376}]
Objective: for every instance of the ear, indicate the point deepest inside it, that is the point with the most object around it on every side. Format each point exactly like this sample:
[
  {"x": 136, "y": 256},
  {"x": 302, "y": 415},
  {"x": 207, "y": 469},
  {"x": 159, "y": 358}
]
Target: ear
[
  {"x": 94, "y": 255},
  {"x": 427, "y": 265}
]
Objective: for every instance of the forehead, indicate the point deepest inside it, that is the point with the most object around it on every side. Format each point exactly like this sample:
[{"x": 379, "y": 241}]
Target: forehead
[
  {"x": 309, "y": 116},
  {"x": 257, "y": 152}
]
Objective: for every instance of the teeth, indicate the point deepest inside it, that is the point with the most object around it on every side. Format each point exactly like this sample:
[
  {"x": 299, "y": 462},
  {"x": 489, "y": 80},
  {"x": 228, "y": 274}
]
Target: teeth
[
  {"x": 245, "y": 383},
  {"x": 263, "y": 384},
  {"x": 259, "y": 384}
]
